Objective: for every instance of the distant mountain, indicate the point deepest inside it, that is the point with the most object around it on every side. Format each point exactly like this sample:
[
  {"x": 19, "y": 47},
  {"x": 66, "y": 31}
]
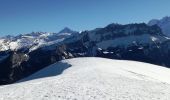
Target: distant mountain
[
  {"x": 67, "y": 30},
  {"x": 34, "y": 40},
  {"x": 138, "y": 42},
  {"x": 93, "y": 79},
  {"x": 163, "y": 23}
]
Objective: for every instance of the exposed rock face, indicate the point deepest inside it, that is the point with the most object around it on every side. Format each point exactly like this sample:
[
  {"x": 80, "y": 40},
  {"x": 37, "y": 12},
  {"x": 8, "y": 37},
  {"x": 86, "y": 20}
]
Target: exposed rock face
[
  {"x": 11, "y": 67},
  {"x": 19, "y": 65},
  {"x": 138, "y": 42}
]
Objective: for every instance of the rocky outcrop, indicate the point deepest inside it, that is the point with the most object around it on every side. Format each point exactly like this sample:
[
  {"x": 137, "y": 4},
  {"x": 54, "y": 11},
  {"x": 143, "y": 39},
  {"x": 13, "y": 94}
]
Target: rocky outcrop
[{"x": 19, "y": 64}]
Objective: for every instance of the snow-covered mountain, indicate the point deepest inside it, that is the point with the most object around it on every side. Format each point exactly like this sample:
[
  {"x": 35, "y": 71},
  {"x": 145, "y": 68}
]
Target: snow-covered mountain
[
  {"x": 163, "y": 23},
  {"x": 138, "y": 42},
  {"x": 34, "y": 40},
  {"x": 93, "y": 79}
]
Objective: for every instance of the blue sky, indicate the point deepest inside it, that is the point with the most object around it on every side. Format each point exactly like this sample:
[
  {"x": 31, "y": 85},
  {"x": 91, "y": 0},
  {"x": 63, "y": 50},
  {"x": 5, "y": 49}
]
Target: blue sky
[{"x": 24, "y": 16}]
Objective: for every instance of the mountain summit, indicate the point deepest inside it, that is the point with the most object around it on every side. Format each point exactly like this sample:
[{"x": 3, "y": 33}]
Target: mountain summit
[{"x": 67, "y": 30}]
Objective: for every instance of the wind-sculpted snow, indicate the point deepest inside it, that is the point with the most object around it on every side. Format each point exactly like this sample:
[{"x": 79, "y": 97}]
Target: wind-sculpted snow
[{"x": 93, "y": 79}]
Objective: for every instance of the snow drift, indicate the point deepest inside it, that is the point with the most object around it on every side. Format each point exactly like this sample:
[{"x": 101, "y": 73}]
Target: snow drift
[{"x": 93, "y": 78}]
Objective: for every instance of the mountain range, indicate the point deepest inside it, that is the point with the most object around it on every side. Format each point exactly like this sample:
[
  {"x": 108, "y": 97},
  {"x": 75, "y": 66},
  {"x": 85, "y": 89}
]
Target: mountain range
[{"x": 23, "y": 55}]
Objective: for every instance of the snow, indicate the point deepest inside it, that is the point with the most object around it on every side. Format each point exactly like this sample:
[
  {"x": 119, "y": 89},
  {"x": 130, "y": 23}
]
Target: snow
[
  {"x": 140, "y": 48},
  {"x": 105, "y": 52},
  {"x": 32, "y": 41},
  {"x": 3, "y": 46},
  {"x": 99, "y": 49},
  {"x": 65, "y": 34},
  {"x": 154, "y": 38},
  {"x": 13, "y": 45},
  {"x": 93, "y": 79}
]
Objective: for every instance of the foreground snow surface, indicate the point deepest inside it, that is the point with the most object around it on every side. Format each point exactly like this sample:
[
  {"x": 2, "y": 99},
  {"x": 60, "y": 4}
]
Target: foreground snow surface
[{"x": 93, "y": 79}]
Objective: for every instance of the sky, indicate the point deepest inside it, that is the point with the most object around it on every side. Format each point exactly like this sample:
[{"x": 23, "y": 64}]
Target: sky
[{"x": 25, "y": 16}]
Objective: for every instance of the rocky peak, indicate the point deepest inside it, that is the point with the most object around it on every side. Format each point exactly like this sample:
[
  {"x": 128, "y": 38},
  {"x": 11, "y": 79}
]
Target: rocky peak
[{"x": 66, "y": 30}]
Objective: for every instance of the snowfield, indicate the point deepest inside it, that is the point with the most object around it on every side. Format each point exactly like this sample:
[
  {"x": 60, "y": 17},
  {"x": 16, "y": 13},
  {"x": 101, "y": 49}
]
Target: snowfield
[{"x": 93, "y": 79}]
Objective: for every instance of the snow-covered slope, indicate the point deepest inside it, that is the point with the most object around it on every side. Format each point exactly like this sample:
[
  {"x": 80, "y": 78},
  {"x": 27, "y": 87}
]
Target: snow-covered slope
[
  {"x": 93, "y": 78},
  {"x": 163, "y": 23}
]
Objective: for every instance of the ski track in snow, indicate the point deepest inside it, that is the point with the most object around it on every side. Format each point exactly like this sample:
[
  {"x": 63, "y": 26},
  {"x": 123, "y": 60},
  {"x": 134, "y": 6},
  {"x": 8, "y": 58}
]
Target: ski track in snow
[{"x": 95, "y": 79}]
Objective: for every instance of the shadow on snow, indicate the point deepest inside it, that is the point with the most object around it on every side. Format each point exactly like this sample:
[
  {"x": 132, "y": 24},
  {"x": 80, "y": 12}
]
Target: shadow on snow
[{"x": 53, "y": 70}]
